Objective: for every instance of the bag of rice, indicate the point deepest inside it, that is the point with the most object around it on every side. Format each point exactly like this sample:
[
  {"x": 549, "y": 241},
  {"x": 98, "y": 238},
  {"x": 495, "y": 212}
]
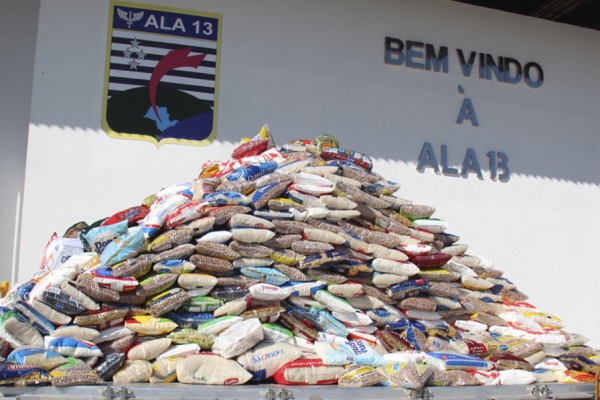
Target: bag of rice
[
  {"x": 234, "y": 307},
  {"x": 110, "y": 334},
  {"x": 22, "y": 375},
  {"x": 79, "y": 296},
  {"x": 164, "y": 370},
  {"x": 269, "y": 276},
  {"x": 217, "y": 325},
  {"x": 346, "y": 290},
  {"x": 333, "y": 303},
  {"x": 303, "y": 288},
  {"x": 264, "y": 291},
  {"x": 37, "y": 357},
  {"x": 365, "y": 302},
  {"x": 277, "y": 334},
  {"x": 266, "y": 358},
  {"x": 310, "y": 371},
  {"x": 353, "y": 351},
  {"x": 71, "y": 347},
  {"x": 135, "y": 371},
  {"x": 185, "y": 213},
  {"x": 516, "y": 377},
  {"x": 49, "y": 313},
  {"x": 210, "y": 369},
  {"x": 197, "y": 282},
  {"x": 17, "y": 331},
  {"x": 327, "y": 323},
  {"x": 77, "y": 332},
  {"x": 451, "y": 360},
  {"x": 202, "y": 304},
  {"x": 174, "y": 267},
  {"x": 146, "y": 325},
  {"x": 405, "y": 268},
  {"x": 30, "y": 315},
  {"x": 187, "y": 319},
  {"x": 244, "y": 262},
  {"x": 148, "y": 350},
  {"x": 238, "y": 338},
  {"x": 192, "y": 336}
]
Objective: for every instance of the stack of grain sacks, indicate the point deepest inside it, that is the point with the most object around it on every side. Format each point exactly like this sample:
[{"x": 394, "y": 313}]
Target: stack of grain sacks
[{"x": 296, "y": 265}]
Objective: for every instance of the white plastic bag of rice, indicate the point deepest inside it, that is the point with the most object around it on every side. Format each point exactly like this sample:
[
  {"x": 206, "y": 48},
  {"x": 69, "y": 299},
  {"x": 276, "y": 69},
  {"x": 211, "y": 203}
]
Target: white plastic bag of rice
[
  {"x": 266, "y": 358},
  {"x": 238, "y": 338},
  {"x": 149, "y": 349},
  {"x": 133, "y": 371},
  {"x": 210, "y": 369}
]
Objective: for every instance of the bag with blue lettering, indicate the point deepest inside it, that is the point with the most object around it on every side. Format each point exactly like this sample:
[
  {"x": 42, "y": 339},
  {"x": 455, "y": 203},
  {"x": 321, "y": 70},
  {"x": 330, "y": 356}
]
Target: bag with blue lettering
[
  {"x": 266, "y": 358},
  {"x": 252, "y": 172},
  {"x": 451, "y": 360},
  {"x": 187, "y": 319},
  {"x": 227, "y": 199},
  {"x": 71, "y": 347},
  {"x": 22, "y": 375},
  {"x": 303, "y": 288},
  {"x": 98, "y": 238},
  {"x": 351, "y": 352},
  {"x": 34, "y": 317}
]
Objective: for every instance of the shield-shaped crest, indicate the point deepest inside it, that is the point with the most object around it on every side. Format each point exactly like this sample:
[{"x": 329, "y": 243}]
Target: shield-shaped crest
[{"x": 161, "y": 74}]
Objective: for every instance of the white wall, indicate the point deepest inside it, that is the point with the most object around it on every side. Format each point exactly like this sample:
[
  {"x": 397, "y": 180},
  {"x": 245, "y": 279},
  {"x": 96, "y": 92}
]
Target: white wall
[
  {"x": 315, "y": 67},
  {"x": 18, "y": 28}
]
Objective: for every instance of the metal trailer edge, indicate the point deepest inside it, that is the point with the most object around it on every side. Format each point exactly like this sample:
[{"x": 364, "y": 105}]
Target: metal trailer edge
[{"x": 164, "y": 391}]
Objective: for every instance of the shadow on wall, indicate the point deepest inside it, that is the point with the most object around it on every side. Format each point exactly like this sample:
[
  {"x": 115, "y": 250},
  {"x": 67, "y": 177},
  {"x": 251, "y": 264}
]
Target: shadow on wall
[{"x": 557, "y": 160}]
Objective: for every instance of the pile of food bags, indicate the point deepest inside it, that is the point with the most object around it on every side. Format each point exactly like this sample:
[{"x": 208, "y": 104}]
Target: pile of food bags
[{"x": 295, "y": 265}]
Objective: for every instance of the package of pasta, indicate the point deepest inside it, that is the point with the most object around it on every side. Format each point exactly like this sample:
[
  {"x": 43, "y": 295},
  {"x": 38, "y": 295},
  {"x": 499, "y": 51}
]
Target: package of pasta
[{"x": 12, "y": 373}]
